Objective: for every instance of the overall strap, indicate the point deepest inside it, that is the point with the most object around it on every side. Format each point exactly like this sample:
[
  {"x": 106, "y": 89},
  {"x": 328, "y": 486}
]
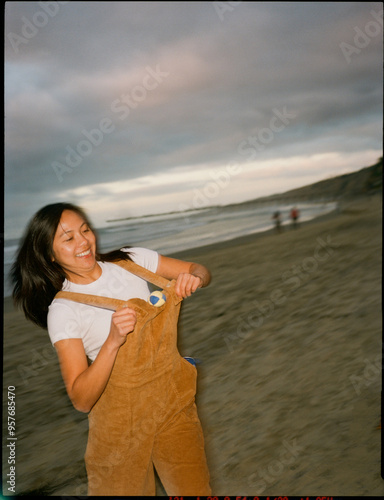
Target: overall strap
[
  {"x": 147, "y": 275},
  {"x": 92, "y": 300},
  {"x": 108, "y": 302}
]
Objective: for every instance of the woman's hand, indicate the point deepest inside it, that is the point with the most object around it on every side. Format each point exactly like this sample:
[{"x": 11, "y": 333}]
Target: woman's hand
[
  {"x": 186, "y": 284},
  {"x": 123, "y": 322},
  {"x": 189, "y": 276}
]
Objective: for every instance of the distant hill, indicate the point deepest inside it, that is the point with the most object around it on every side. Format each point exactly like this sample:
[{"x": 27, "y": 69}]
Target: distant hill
[{"x": 366, "y": 181}]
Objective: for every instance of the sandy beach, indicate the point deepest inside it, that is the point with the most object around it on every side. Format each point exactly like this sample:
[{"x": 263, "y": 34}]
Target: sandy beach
[{"x": 289, "y": 335}]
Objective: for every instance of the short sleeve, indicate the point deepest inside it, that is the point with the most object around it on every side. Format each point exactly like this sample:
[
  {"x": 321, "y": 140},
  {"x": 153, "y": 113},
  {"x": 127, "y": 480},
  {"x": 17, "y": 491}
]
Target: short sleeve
[
  {"x": 144, "y": 257},
  {"x": 63, "y": 322}
]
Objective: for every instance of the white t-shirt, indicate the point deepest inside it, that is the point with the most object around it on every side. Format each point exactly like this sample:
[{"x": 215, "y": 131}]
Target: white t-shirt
[{"x": 71, "y": 320}]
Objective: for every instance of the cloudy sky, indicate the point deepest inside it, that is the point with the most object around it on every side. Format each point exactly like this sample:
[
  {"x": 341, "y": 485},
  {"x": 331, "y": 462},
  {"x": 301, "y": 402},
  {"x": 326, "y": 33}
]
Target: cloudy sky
[{"x": 130, "y": 108}]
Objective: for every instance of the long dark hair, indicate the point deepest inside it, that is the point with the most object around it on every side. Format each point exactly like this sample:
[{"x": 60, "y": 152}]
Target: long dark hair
[{"x": 35, "y": 276}]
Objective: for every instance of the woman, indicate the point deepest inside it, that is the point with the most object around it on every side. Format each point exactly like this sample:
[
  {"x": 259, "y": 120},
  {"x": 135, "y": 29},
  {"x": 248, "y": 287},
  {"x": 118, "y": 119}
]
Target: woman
[{"x": 123, "y": 367}]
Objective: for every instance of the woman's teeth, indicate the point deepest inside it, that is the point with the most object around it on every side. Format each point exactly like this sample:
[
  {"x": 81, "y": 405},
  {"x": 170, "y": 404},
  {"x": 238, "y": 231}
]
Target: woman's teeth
[{"x": 87, "y": 252}]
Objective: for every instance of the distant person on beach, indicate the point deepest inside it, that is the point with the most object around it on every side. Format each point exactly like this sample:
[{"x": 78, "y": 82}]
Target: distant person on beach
[
  {"x": 277, "y": 218},
  {"x": 117, "y": 351},
  {"x": 295, "y": 214}
]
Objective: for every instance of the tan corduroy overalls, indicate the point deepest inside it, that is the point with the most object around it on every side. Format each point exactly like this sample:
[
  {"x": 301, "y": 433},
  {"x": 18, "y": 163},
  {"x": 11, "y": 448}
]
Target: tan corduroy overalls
[{"x": 146, "y": 415}]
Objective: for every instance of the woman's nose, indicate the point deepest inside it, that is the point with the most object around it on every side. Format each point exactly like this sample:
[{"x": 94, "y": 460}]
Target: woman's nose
[{"x": 82, "y": 240}]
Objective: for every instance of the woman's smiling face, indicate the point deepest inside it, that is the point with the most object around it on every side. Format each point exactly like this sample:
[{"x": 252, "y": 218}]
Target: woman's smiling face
[{"x": 74, "y": 248}]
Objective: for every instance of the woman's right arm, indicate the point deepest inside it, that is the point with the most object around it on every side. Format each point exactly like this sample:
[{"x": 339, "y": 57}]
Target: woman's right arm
[{"x": 84, "y": 383}]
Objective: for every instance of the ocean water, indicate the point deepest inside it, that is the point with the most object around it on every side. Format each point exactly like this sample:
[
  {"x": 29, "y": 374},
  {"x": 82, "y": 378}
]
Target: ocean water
[{"x": 177, "y": 231}]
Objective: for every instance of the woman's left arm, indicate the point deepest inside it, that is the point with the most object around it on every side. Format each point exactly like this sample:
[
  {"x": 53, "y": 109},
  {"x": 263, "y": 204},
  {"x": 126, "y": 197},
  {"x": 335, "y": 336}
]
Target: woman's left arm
[{"x": 188, "y": 275}]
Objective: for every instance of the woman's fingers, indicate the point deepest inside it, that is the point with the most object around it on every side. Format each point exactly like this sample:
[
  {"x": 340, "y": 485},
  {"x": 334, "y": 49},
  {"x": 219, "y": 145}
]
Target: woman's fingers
[
  {"x": 124, "y": 320},
  {"x": 186, "y": 284}
]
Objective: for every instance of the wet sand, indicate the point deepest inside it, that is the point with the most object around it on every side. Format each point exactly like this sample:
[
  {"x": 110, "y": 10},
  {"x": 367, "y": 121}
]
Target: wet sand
[{"x": 289, "y": 384}]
